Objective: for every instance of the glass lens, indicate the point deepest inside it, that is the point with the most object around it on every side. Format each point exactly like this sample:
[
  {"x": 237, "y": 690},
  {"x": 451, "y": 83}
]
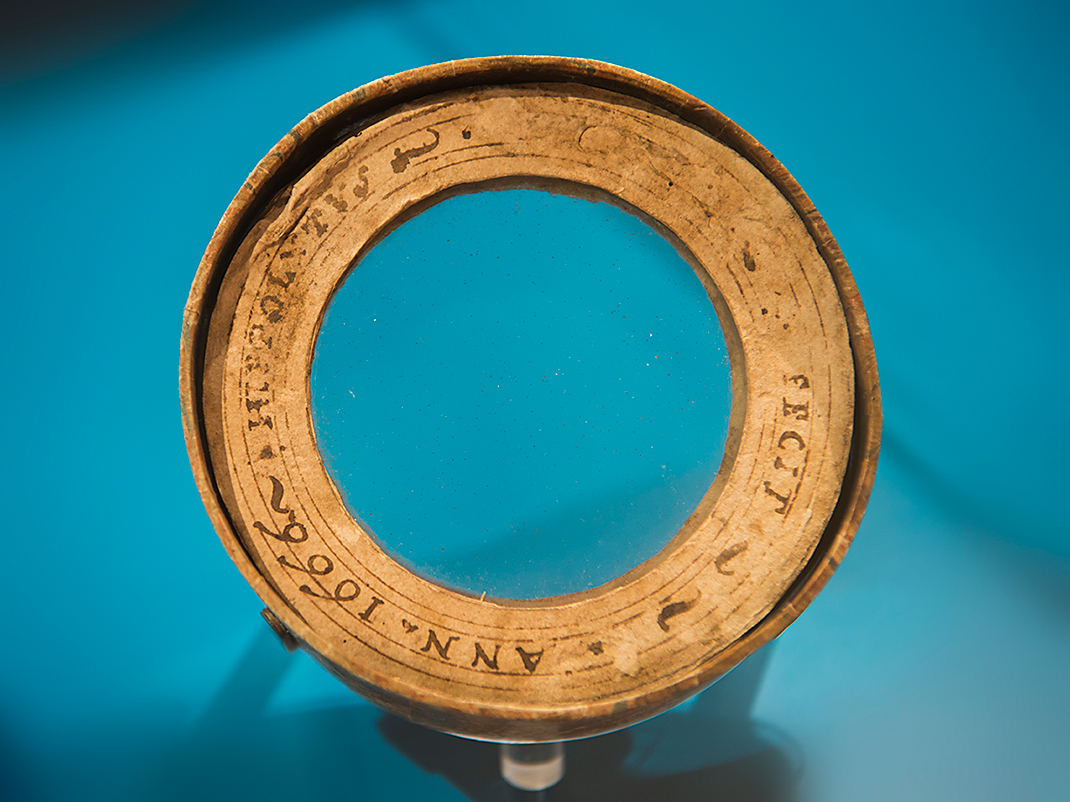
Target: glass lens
[{"x": 522, "y": 394}]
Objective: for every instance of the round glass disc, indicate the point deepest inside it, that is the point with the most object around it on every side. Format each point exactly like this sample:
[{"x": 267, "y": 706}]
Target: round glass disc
[{"x": 522, "y": 394}]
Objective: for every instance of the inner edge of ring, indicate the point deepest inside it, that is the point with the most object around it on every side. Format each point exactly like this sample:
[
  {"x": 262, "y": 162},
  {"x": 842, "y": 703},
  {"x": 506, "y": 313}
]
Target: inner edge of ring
[{"x": 733, "y": 342}]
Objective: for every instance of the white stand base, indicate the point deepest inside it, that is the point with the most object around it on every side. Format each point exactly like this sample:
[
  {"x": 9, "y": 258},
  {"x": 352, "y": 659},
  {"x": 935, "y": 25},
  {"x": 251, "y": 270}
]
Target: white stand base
[{"x": 533, "y": 767}]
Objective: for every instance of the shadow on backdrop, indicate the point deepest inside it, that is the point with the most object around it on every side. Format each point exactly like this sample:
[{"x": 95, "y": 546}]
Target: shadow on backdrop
[
  {"x": 43, "y": 36},
  {"x": 708, "y": 749},
  {"x": 237, "y": 752},
  {"x": 1040, "y": 573}
]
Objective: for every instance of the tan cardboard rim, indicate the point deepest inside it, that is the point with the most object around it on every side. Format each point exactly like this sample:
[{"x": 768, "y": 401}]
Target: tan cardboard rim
[{"x": 308, "y": 141}]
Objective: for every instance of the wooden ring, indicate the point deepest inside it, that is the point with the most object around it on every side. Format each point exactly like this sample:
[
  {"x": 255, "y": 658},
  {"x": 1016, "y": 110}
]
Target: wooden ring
[{"x": 803, "y": 437}]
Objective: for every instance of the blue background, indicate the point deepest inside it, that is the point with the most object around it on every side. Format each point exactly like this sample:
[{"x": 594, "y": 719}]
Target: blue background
[{"x": 932, "y": 138}]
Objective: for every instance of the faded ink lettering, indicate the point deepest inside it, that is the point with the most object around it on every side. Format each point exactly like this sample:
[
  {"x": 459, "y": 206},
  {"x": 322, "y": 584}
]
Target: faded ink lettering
[
  {"x": 324, "y": 567},
  {"x": 287, "y": 534},
  {"x": 276, "y": 498},
  {"x": 362, "y": 191},
  {"x": 779, "y": 463},
  {"x": 672, "y": 610},
  {"x": 783, "y": 508},
  {"x": 531, "y": 659},
  {"x": 432, "y": 640},
  {"x": 791, "y": 436},
  {"x": 366, "y": 616},
  {"x": 800, "y": 411},
  {"x": 492, "y": 662},
  {"x": 256, "y": 336},
  {"x": 727, "y": 556},
  {"x": 346, "y": 590},
  {"x": 284, "y": 282},
  {"x": 401, "y": 159}
]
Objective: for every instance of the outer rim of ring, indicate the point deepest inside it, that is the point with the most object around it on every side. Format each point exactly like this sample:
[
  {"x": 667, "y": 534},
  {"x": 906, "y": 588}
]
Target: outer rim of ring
[{"x": 303, "y": 145}]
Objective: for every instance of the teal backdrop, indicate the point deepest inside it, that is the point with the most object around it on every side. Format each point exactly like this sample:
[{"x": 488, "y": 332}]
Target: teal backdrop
[{"x": 932, "y": 138}]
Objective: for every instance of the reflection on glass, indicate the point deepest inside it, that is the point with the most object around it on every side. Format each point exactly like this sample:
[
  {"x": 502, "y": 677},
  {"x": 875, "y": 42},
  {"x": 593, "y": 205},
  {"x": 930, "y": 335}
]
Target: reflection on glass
[{"x": 522, "y": 394}]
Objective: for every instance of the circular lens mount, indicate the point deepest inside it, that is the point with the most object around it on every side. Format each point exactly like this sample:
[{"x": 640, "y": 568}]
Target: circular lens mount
[{"x": 803, "y": 436}]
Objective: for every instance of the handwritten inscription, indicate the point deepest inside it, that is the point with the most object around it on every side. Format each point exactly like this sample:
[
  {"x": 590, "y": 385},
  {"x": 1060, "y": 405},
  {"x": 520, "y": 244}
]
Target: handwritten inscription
[
  {"x": 482, "y": 656},
  {"x": 324, "y": 584},
  {"x": 800, "y": 411},
  {"x": 784, "y": 500},
  {"x": 312, "y": 222},
  {"x": 257, "y": 338},
  {"x": 277, "y": 492},
  {"x": 491, "y": 662},
  {"x": 284, "y": 281},
  {"x": 344, "y": 591},
  {"x": 361, "y": 191},
  {"x": 673, "y": 610},
  {"x": 792, "y": 444},
  {"x": 325, "y": 567},
  {"x": 401, "y": 159},
  {"x": 256, "y": 365},
  {"x": 727, "y": 556},
  {"x": 432, "y": 640},
  {"x": 366, "y": 616},
  {"x": 272, "y": 308},
  {"x": 319, "y": 576},
  {"x": 293, "y": 531},
  {"x": 531, "y": 659}
]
